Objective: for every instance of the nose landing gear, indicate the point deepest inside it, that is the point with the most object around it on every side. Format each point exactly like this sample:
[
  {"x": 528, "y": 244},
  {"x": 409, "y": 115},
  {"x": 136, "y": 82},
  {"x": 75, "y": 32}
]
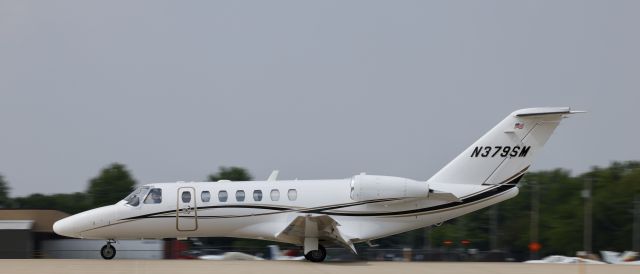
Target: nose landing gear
[{"x": 108, "y": 251}]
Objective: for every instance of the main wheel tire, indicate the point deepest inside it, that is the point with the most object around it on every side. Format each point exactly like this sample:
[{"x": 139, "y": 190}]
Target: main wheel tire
[
  {"x": 316, "y": 256},
  {"x": 108, "y": 252}
]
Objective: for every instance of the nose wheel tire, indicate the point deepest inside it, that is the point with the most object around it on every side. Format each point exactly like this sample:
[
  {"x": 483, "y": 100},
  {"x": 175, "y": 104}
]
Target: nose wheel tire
[
  {"x": 108, "y": 252},
  {"x": 317, "y": 256}
]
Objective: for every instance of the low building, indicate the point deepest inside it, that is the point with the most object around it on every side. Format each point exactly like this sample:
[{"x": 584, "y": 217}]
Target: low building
[{"x": 24, "y": 230}]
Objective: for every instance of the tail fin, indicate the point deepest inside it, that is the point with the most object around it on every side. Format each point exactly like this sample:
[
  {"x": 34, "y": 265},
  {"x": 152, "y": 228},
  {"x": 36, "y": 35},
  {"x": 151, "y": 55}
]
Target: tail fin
[{"x": 506, "y": 151}]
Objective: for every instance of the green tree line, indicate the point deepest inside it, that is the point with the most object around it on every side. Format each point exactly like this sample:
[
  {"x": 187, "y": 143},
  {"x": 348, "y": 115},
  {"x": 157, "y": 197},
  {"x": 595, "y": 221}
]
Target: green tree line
[{"x": 561, "y": 215}]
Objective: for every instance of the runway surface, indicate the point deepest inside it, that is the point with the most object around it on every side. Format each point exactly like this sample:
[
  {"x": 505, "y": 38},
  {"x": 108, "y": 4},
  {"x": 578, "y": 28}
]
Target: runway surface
[{"x": 61, "y": 266}]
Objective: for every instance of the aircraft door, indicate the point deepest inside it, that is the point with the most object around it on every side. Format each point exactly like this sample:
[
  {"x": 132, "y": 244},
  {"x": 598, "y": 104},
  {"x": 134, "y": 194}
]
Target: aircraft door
[{"x": 186, "y": 212}]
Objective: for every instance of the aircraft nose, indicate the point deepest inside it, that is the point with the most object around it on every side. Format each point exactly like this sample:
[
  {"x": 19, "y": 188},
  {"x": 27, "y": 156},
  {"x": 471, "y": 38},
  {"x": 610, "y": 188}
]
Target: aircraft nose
[{"x": 64, "y": 227}]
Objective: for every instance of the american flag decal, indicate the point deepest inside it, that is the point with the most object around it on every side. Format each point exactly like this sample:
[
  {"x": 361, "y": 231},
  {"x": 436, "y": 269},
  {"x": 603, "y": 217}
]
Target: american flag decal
[{"x": 519, "y": 125}]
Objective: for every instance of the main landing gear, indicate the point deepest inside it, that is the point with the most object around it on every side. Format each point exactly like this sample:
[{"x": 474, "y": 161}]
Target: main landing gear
[
  {"x": 316, "y": 256},
  {"x": 108, "y": 251}
]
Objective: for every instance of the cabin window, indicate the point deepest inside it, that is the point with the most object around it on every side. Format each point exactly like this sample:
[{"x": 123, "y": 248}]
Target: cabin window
[
  {"x": 134, "y": 198},
  {"x": 186, "y": 196},
  {"x": 292, "y": 194},
  {"x": 205, "y": 196},
  {"x": 257, "y": 195},
  {"x": 154, "y": 197},
  {"x": 222, "y": 196},
  {"x": 240, "y": 195},
  {"x": 275, "y": 195}
]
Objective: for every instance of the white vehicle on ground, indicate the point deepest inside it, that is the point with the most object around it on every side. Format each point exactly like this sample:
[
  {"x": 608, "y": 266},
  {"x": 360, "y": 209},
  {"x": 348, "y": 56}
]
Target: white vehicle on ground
[
  {"x": 559, "y": 259},
  {"x": 627, "y": 257},
  {"x": 314, "y": 213}
]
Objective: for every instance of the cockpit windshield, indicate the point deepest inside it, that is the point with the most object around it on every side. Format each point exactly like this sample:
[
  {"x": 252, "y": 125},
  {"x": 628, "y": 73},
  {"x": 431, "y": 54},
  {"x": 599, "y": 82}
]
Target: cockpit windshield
[{"x": 134, "y": 198}]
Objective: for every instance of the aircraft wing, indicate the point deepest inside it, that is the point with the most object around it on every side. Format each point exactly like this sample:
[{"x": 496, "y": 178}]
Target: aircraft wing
[{"x": 328, "y": 230}]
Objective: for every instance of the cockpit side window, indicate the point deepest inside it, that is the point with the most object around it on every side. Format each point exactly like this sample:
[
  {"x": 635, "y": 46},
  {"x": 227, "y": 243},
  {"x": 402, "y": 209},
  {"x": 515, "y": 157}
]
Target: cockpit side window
[
  {"x": 134, "y": 198},
  {"x": 154, "y": 197}
]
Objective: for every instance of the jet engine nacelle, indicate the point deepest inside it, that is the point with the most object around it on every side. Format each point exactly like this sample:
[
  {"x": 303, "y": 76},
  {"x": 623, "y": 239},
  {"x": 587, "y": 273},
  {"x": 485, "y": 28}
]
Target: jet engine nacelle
[{"x": 370, "y": 187}]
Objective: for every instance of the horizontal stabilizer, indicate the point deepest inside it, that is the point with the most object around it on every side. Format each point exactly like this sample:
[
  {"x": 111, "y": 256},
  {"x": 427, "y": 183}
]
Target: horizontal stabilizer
[
  {"x": 433, "y": 195},
  {"x": 527, "y": 112},
  {"x": 444, "y": 196}
]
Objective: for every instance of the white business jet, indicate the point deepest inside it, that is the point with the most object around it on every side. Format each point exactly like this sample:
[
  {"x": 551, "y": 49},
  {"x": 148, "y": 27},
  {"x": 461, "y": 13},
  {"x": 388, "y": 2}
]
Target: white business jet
[{"x": 315, "y": 213}]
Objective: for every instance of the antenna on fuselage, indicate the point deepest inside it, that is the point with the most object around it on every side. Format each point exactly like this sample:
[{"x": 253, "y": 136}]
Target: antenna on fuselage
[{"x": 274, "y": 176}]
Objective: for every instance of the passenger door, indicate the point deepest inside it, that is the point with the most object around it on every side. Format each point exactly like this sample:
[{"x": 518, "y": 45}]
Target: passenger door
[{"x": 186, "y": 212}]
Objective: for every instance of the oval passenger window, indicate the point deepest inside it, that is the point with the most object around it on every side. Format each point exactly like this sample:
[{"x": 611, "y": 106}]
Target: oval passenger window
[
  {"x": 186, "y": 197},
  {"x": 292, "y": 194},
  {"x": 222, "y": 196},
  {"x": 257, "y": 195},
  {"x": 275, "y": 195},
  {"x": 240, "y": 195},
  {"x": 206, "y": 196}
]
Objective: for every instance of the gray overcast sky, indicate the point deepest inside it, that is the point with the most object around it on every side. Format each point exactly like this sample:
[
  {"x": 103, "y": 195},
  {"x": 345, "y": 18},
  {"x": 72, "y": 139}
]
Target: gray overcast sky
[{"x": 323, "y": 89}]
